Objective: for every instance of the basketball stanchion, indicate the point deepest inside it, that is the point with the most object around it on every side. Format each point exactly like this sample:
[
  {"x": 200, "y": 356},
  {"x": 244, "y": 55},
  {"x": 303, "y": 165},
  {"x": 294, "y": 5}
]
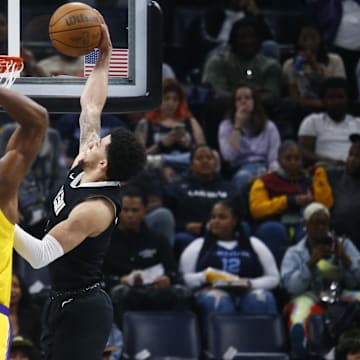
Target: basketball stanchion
[{"x": 10, "y": 69}]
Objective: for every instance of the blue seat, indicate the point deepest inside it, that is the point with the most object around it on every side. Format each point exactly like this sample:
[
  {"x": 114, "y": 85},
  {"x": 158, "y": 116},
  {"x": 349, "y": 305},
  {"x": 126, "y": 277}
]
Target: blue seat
[
  {"x": 246, "y": 336},
  {"x": 275, "y": 236},
  {"x": 157, "y": 335},
  {"x": 261, "y": 356}
]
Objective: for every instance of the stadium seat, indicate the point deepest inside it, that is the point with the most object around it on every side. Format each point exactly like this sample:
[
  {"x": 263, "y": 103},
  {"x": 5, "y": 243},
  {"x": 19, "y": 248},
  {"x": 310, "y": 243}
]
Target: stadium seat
[
  {"x": 259, "y": 356},
  {"x": 160, "y": 335},
  {"x": 275, "y": 236},
  {"x": 236, "y": 336}
]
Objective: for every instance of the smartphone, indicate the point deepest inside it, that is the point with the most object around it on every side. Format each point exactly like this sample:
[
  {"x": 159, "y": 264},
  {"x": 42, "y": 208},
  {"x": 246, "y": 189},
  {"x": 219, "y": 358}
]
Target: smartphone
[
  {"x": 179, "y": 130},
  {"x": 179, "y": 127},
  {"x": 327, "y": 240}
]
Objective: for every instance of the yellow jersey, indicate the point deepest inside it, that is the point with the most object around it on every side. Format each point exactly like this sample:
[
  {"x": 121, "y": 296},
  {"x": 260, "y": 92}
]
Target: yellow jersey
[{"x": 6, "y": 249}]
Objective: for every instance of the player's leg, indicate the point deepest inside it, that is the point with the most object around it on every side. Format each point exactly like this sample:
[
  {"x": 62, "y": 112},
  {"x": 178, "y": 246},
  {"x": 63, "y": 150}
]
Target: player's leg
[{"x": 83, "y": 327}]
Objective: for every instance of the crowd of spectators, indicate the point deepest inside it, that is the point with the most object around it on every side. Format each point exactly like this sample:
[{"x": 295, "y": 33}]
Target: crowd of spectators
[{"x": 254, "y": 195}]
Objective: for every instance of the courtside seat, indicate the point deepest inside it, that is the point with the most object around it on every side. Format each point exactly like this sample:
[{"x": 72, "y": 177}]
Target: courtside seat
[
  {"x": 232, "y": 335},
  {"x": 160, "y": 335}
]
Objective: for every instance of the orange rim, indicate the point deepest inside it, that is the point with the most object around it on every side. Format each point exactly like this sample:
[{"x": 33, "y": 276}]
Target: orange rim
[{"x": 13, "y": 60}]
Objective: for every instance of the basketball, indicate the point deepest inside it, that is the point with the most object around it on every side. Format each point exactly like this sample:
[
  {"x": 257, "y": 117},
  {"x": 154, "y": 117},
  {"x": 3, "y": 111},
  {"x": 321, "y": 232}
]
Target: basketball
[{"x": 74, "y": 29}]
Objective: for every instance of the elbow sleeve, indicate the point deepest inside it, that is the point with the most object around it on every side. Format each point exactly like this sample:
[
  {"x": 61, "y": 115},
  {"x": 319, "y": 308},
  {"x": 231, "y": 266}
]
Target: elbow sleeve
[{"x": 38, "y": 253}]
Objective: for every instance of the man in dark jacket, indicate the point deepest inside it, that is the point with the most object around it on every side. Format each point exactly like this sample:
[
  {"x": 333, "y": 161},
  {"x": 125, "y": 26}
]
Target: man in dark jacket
[{"x": 140, "y": 270}]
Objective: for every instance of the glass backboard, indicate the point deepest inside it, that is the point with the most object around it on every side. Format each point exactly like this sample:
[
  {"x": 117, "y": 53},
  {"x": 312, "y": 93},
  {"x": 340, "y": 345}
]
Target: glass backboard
[{"x": 57, "y": 81}]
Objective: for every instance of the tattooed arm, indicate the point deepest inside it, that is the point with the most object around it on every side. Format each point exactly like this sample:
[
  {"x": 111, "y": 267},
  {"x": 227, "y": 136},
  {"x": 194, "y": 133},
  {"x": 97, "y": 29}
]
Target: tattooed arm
[{"x": 94, "y": 96}]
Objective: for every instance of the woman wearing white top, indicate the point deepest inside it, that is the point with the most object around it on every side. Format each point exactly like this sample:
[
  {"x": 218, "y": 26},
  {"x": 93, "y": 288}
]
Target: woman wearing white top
[{"x": 245, "y": 267}]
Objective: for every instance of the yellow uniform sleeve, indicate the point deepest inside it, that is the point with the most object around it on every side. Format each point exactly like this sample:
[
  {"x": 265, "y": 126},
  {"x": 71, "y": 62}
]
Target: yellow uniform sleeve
[
  {"x": 6, "y": 249},
  {"x": 321, "y": 188},
  {"x": 261, "y": 206}
]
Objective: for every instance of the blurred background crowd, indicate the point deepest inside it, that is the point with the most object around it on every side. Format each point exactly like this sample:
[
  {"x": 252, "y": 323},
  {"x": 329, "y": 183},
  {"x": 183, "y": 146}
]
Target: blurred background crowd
[{"x": 253, "y": 173}]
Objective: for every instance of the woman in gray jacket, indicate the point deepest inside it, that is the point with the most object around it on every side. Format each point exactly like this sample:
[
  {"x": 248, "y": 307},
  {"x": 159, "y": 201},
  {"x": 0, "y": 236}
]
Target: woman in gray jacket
[{"x": 319, "y": 261}]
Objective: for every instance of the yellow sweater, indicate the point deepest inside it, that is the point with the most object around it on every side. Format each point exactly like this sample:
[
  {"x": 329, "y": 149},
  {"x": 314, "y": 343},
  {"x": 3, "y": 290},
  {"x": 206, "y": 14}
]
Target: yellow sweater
[
  {"x": 6, "y": 249},
  {"x": 267, "y": 200}
]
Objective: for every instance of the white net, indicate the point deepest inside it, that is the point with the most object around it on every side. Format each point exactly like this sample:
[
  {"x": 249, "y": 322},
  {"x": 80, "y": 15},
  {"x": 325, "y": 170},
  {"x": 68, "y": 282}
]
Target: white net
[{"x": 10, "y": 69}]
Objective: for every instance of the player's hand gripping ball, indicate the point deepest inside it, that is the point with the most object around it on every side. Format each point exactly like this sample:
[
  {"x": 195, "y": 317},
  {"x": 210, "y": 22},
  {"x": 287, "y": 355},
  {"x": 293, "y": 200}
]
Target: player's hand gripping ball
[{"x": 75, "y": 29}]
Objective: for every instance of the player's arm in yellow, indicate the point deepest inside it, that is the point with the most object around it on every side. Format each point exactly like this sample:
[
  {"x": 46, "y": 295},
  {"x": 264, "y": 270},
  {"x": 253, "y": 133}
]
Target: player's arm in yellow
[{"x": 23, "y": 144}]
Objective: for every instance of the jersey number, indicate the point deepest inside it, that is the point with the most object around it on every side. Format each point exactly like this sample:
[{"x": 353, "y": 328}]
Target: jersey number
[{"x": 231, "y": 265}]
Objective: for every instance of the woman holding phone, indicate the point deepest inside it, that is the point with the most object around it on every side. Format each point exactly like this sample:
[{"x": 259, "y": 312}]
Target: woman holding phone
[
  {"x": 171, "y": 129},
  {"x": 322, "y": 268}
]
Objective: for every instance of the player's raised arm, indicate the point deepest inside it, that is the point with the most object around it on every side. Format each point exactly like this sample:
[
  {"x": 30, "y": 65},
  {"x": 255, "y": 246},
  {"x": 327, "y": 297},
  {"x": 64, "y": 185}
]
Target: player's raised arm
[
  {"x": 26, "y": 140},
  {"x": 94, "y": 95}
]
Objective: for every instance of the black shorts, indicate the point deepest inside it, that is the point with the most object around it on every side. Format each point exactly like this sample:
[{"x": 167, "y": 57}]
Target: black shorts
[{"x": 76, "y": 324}]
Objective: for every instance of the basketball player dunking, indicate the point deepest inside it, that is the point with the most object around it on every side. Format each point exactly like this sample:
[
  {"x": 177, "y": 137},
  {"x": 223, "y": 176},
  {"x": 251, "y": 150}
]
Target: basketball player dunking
[
  {"x": 20, "y": 152},
  {"x": 79, "y": 314}
]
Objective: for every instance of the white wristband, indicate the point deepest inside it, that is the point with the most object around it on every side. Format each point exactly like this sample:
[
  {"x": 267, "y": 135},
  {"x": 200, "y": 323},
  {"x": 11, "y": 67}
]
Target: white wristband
[{"x": 38, "y": 253}]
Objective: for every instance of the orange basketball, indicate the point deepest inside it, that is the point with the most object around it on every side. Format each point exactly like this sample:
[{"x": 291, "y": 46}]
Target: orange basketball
[{"x": 74, "y": 29}]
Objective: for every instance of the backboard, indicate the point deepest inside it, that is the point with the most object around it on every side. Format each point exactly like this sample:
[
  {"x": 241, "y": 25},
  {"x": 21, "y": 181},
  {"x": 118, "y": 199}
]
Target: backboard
[{"x": 135, "y": 29}]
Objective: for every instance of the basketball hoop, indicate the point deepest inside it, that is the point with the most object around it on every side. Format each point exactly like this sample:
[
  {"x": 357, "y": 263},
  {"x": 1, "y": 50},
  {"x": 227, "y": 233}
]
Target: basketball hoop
[{"x": 10, "y": 69}]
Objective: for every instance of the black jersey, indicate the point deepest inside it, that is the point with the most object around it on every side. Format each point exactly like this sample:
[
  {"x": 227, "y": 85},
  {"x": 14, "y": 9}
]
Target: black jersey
[{"x": 82, "y": 266}]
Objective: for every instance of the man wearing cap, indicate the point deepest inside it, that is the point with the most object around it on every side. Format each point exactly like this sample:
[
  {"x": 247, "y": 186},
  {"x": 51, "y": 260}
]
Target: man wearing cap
[
  {"x": 309, "y": 267},
  {"x": 345, "y": 184}
]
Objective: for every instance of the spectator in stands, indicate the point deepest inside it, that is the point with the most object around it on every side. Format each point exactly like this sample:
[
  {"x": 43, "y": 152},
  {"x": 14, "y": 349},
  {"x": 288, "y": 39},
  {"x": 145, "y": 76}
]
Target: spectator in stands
[
  {"x": 308, "y": 269},
  {"x": 191, "y": 198},
  {"x": 248, "y": 141},
  {"x": 31, "y": 67},
  {"x": 60, "y": 64},
  {"x": 158, "y": 217},
  {"x": 171, "y": 129},
  {"x": 227, "y": 253},
  {"x": 339, "y": 22},
  {"x": 211, "y": 30},
  {"x": 278, "y": 199},
  {"x": 140, "y": 267},
  {"x": 324, "y": 137},
  {"x": 24, "y": 313},
  {"x": 348, "y": 347},
  {"x": 311, "y": 64},
  {"x": 345, "y": 184},
  {"x": 23, "y": 349},
  {"x": 241, "y": 61}
]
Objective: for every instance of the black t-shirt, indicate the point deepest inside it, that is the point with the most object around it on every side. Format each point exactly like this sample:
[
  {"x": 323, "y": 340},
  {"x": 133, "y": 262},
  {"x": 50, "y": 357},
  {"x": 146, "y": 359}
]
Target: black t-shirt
[{"x": 131, "y": 251}]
